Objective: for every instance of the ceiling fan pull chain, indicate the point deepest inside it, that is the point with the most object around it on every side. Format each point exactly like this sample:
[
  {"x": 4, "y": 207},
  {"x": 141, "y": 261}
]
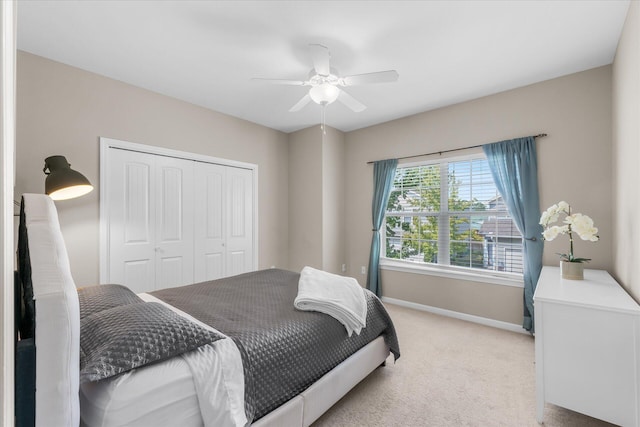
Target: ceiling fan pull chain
[{"x": 323, "y": 118}]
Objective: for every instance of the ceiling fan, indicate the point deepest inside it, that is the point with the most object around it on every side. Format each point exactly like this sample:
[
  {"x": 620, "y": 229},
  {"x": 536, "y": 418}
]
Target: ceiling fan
[{"x": 325, "y": 82}]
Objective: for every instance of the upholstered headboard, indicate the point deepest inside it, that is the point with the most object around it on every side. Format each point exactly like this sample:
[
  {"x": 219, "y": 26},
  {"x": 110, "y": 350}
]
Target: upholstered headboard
[{"x": 50, "y": 312}]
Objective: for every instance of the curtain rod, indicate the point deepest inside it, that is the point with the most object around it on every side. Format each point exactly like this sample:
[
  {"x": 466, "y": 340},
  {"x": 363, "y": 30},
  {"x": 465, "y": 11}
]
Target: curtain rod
[{"x": 540, "y": 135}]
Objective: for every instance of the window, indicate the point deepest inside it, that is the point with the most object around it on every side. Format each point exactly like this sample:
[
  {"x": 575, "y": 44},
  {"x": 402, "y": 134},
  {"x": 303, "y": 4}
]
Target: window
[{"x": 451, "y": 214}]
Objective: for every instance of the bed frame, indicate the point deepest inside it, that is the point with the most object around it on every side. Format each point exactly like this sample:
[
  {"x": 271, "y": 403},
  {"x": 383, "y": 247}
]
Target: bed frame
[
  {"x": 308, "y": 406},
  {"x": 39, "y": 376}
]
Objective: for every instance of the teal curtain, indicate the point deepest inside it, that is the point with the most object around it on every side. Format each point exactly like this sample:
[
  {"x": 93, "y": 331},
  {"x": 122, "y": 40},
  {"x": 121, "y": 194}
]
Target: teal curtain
[
  {"x": 514, "y": 167},
  {"x": 383, "y": 173}
]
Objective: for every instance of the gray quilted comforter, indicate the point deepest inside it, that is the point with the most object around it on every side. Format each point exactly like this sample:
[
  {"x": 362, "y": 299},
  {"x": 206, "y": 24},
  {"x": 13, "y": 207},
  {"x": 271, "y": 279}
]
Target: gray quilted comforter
[{"x": 283, "y": 350}]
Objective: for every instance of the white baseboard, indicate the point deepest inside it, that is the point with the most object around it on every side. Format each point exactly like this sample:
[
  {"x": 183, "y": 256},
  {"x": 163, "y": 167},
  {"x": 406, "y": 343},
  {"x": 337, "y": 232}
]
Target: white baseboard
[{"x": 457, "y": 315}]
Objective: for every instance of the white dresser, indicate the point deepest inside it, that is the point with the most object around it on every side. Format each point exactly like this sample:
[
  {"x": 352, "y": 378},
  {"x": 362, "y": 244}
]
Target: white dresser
[{"x": 587, "y": 338}]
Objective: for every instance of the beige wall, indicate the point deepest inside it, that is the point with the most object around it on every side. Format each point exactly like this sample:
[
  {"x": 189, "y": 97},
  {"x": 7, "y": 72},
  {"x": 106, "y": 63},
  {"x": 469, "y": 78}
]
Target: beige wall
[
  {"x": 333, "y": 171},
  {"x": 315, "y": 192},
  {"x": 305, "y": 199},
  {"x": 316, "y": 199},
  {"x": 626, "y": 154},
  {"x": 64, "y": 110},
  {"x": 574, "y": 165}
]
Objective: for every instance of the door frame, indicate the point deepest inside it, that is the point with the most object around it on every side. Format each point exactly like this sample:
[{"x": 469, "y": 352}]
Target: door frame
[
  {"x": 107, "y": 144},
  {"x": 8, "y": 13}
]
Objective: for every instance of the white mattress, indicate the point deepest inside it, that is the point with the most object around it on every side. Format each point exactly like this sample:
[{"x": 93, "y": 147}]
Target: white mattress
[{"x": 161, "y": 394}]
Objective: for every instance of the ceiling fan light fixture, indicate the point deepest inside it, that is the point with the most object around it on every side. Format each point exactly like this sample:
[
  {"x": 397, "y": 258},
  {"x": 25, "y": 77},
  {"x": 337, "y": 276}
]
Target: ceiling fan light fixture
[
  {"x": 324, "y": 80},
  {"x": 324, "y": 94}
]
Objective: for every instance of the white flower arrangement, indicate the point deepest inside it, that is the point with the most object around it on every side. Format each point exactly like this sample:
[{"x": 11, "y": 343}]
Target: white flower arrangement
[{"x": 578, "y": 223}]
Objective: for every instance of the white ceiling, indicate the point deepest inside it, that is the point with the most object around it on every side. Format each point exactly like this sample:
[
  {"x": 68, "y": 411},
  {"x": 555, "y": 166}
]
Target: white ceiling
[{"x": 206, "y": 52}]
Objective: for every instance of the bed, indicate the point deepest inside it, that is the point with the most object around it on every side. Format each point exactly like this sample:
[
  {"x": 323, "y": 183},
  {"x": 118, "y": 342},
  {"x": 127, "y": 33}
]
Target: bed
[{"x": 247, "y": 356}]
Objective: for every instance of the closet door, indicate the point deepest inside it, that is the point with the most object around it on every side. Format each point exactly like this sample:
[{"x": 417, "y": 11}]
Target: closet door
[
  {"x": 150, "y": 220},
  {"x": 173, "y": 218},
  {"x": 174, "y": 222},
  {"x": 210, "y": 254},
  {"x": 223, "y": 221},
  {"x": 132, "y": 229},
  {"x": 239, "y": 208}
]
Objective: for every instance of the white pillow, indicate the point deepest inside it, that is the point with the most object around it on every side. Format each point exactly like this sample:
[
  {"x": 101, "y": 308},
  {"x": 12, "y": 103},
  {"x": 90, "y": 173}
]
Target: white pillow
[{"x": 57, "y": 316}]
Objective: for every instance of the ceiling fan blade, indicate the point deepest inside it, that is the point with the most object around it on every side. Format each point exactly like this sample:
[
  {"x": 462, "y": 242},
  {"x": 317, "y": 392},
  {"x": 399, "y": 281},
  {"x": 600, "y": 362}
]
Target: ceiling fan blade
[
  {"x": 350, "y": 101},
  {"x": 300, "y": 104},
  {"x": 368, "y": 78},
  {"x": 280, "y": 81},
  {"x": 320, "y": 56}
]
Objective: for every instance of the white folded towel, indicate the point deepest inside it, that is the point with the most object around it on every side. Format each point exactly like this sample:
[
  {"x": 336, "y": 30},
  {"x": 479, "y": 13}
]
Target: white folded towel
[{"x": 338, "y": 296}]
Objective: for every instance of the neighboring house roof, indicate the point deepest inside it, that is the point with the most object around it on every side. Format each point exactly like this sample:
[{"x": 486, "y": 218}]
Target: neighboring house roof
[
  {"x": 496, "y": 203},
  {"x": 500, "y": 227}
]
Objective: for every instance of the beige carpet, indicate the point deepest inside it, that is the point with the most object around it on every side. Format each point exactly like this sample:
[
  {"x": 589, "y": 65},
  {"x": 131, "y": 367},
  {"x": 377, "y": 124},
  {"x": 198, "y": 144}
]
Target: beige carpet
[{"x": 451, "y": 373}]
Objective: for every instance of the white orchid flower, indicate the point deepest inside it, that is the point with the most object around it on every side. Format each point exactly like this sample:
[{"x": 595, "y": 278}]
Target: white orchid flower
[{"x": 577, "y": 222}]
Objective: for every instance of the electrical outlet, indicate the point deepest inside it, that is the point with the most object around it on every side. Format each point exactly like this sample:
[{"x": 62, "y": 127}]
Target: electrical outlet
[
  {"x": 344, "y": 268},
  {"x": 363, "y": 270}
]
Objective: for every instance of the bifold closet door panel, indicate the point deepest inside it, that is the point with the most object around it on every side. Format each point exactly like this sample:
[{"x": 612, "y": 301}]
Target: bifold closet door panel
[
  {"x": 174, "y": 222},
  {"x": 239, "y": 208},
  {"x": 210, "y": 217},
  {"x": 132, "y": 227}
]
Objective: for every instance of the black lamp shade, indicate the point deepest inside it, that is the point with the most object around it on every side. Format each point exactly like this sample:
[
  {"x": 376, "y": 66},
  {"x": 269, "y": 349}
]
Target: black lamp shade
[{"x": 63, "y": 182}]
